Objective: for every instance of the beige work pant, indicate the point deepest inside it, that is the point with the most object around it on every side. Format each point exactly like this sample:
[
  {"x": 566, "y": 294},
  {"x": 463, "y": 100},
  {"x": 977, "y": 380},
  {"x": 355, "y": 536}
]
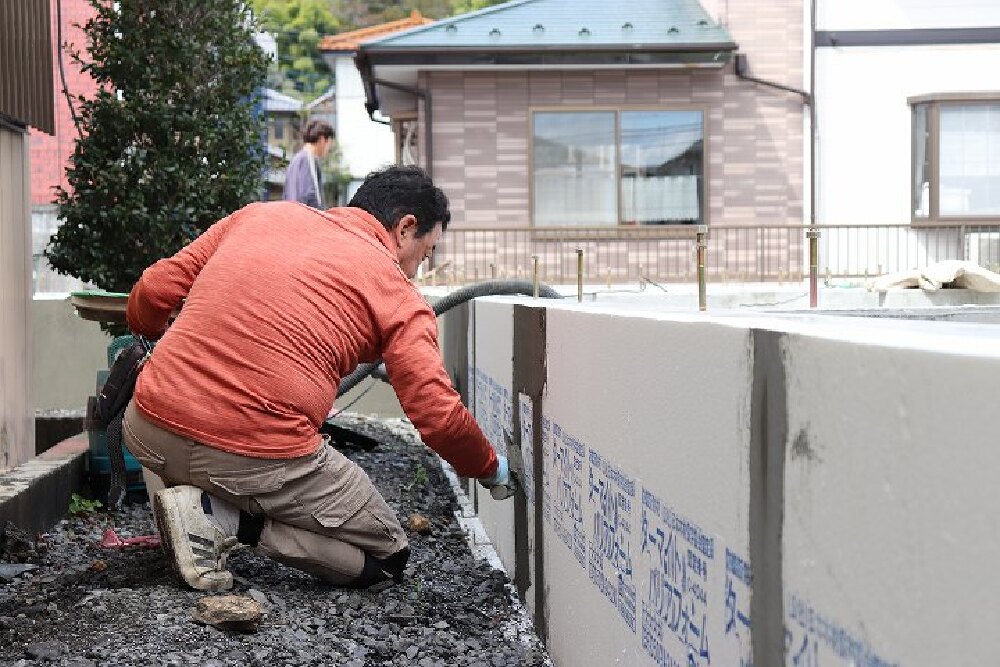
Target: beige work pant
[{"x": 323, "y": 513}]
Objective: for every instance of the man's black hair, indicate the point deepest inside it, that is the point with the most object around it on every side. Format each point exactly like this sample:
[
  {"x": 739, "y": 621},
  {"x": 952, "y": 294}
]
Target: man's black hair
[
  {"x": 393, "y": 192},
  {"x": 315, "y": 129}
]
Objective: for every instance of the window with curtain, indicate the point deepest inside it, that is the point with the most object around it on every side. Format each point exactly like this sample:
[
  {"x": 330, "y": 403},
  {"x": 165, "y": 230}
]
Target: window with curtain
[
  {"x": 617, "y": 167},
  {"x": 575, "y": 163},
  {"x": 956, "y": 159}
]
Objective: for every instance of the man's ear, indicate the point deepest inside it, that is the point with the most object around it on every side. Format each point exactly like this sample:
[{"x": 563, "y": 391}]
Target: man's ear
[{"x": 407, "y": 226}]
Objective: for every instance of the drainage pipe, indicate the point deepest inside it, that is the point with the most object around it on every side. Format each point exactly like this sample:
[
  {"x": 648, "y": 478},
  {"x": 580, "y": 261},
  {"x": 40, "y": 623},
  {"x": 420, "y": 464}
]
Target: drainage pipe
[{"x": 449, "y": 301}]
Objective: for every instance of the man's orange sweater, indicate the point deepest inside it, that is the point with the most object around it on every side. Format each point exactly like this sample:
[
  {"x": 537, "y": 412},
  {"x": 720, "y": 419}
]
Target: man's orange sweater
[{"x": 281, "y": 301}]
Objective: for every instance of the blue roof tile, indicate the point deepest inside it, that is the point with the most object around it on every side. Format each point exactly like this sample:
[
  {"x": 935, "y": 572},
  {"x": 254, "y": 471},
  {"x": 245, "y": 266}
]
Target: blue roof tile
[{"x": 561, "y": 24}]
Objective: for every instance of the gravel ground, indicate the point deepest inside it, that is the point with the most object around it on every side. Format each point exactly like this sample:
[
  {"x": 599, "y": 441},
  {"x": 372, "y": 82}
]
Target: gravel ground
[{"x": 85, "y": 605}]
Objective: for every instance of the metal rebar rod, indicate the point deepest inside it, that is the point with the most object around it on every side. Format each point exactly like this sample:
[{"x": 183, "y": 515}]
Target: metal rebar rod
[
  {"x": 534, "y": 280},
  {"x": 701, "y": 236},
  {"x": 579, "y": 274},
  {"x": 813, "y": 236}
]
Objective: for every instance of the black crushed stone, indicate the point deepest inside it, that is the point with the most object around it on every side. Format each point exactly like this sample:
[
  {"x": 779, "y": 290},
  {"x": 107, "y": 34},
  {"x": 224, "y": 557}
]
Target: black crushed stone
[{"x": 85, "y": 605}]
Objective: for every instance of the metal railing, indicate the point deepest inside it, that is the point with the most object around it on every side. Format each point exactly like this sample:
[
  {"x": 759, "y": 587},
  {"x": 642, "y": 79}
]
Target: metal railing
[{"x": 732, "y": 253}]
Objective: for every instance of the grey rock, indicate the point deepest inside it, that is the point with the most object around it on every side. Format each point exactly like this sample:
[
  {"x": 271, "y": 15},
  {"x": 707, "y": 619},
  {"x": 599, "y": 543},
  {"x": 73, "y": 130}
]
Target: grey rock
[
  {"x": 229, "y": 612},
  {"x": 258, "y": 596},
  {"x": 442, "y": 625},
  {"x": 135, "y": 613},
  {"x": 33, "y": 609},
  {"x": 412, "y": 652},
  {"x": 11, "y": 571},
  {"x": 50, "y": 650},
  {"x": 15, "y": 543},
  {"x": 78, "y": 662}
]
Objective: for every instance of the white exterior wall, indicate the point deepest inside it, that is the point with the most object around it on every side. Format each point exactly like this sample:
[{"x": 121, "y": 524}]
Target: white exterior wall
[
  {"x": 864, "y": 126},
  {"x": 364, "y": 144},
  {"x": 889, "y": 503},
  {"x": 899, "y": 14}
]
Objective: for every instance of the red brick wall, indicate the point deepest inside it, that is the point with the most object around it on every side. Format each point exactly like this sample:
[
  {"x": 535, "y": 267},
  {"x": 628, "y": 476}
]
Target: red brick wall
[{"x": 50, "y": 154}]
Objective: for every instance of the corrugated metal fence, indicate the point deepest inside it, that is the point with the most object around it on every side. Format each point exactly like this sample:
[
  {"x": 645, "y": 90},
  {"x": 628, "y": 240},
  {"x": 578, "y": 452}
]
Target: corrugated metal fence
[{"x": 26, "y": 92}]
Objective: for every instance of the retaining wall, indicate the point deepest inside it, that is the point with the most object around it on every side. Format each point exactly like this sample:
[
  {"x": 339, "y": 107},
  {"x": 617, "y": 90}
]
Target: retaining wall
[{"x": 823, "y": 481}]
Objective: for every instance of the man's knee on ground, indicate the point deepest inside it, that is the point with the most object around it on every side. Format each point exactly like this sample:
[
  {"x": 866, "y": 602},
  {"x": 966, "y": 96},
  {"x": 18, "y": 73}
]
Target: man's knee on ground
[{"x": 377, "y": 570}]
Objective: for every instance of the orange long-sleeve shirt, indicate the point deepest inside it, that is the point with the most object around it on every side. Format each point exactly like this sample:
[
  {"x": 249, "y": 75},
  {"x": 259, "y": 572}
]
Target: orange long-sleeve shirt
[{"x": 281, "y": 301}]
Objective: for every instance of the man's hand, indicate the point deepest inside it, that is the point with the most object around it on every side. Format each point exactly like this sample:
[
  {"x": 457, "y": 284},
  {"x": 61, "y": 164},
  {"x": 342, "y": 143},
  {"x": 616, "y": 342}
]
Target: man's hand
[{"x": 502, "y": 484}]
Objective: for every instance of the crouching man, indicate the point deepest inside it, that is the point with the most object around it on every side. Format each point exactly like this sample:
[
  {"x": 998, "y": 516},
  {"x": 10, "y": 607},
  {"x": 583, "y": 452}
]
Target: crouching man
[{"x": 280, "y": 302}]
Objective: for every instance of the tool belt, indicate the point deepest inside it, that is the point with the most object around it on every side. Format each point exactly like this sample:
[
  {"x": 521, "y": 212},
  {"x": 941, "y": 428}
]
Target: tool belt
[{"x": 109, "y": 410}]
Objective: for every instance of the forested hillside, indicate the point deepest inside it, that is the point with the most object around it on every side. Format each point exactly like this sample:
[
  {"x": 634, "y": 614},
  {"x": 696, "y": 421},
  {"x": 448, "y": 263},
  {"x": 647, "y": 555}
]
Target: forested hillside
[{"x": 299, "y": 25}]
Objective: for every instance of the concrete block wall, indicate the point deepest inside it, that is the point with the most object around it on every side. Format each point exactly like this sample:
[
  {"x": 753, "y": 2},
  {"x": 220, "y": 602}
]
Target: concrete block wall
[{"x": 822, "y": 480}]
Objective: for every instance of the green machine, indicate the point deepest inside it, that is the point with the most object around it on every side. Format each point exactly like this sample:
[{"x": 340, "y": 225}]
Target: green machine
[{"x": 107, "y": 307}]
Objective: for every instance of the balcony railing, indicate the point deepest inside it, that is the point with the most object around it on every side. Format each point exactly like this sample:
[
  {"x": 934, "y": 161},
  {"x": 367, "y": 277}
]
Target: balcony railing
[{"x": 737, "y": 253}]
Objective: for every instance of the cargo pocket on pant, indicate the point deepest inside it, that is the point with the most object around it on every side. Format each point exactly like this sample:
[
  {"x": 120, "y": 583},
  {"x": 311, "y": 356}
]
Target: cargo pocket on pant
[
  {"x": 377, "y": 527},
  {"x": 147, "y": 458},
  {"x": 336, "y": 512},
  {"x": 253, "y": 483}
]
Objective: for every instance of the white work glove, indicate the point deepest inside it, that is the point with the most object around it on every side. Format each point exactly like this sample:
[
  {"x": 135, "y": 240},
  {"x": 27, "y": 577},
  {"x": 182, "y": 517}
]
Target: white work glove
[{"x": 502, "y": 484}]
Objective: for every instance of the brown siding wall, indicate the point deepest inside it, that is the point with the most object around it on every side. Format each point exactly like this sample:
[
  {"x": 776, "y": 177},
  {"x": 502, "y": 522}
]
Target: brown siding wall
[
  {"x": 17, "y": 432},
  {"x": 754, "y": 133},
  {"x": 26, "y": 93}
]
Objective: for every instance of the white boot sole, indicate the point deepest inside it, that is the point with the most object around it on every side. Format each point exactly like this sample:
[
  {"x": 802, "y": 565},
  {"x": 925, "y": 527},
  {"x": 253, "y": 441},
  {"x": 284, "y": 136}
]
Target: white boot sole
[{"x": 172, "y": 532}]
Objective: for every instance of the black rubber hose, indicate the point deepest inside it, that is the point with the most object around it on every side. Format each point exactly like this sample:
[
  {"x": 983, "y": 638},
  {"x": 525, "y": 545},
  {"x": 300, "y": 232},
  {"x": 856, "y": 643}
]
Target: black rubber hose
[{"x": 449, "y": 301}]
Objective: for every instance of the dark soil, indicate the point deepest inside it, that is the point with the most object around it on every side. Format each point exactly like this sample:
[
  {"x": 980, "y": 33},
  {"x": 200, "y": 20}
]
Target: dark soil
[{"x": 85, "y": 605}]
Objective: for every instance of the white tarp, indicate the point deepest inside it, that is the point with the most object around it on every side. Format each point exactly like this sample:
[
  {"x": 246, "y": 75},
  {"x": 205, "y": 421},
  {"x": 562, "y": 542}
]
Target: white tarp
[{"x": 949, "y": 273}]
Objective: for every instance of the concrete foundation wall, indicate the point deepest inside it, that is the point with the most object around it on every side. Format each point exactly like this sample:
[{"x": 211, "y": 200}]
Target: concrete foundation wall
[{"x": 845, "y": 461}]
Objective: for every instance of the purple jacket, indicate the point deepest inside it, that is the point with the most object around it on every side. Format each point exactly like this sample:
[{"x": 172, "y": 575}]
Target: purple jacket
[{"x": 299, "y": 183}]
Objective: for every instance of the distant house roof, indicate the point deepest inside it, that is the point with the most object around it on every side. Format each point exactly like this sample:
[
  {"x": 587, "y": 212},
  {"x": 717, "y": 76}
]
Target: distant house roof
[
  {"x": 279, "y": 102},
  {"x": 326, "y": 98},
  {"x": 546, "y": 34},
  {"x": 531, "y": 25},
  {"x": 349, "y": 41}
]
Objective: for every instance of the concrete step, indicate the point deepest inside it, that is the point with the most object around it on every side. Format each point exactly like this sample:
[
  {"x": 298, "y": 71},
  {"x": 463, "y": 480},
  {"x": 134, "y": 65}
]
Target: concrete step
[{"x": 35, "y": 495}]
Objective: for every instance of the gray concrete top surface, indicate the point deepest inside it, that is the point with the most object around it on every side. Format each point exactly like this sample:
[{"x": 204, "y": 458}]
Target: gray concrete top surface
[{"x": 949, "y": 330}]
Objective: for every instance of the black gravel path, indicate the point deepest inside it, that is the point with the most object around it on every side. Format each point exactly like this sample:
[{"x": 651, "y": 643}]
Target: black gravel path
[{"x": 85, "y": 605}]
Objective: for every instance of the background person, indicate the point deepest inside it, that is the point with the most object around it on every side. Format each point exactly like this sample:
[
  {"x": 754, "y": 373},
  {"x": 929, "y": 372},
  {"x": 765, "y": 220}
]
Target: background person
[
  {"x": 281, "y": 302},
  {"x": 304, "y": 178}
]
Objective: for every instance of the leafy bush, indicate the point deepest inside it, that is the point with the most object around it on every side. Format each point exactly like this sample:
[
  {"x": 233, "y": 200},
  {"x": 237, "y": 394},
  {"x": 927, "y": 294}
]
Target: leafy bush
[
  {"x": 171, "y": 142},
  {"x": 80, "y": 506}
]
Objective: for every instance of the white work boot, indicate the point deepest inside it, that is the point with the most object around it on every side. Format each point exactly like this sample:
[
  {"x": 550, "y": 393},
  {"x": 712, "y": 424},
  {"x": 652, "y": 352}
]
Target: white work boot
[{"x": 196, "y": 545}]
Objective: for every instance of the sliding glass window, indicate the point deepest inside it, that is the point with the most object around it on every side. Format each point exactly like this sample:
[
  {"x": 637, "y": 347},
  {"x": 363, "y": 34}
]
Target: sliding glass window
[
  {"x": 617, "y": 167},
  {"x": 956, "y": 158},
  {"x": 574, "y": 162}
]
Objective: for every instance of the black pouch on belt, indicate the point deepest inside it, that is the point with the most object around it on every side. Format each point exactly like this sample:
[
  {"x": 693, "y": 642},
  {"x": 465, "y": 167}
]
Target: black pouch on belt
[
  {"x": 109, "y": 409},
  {"x": 118, "y": 388}
]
